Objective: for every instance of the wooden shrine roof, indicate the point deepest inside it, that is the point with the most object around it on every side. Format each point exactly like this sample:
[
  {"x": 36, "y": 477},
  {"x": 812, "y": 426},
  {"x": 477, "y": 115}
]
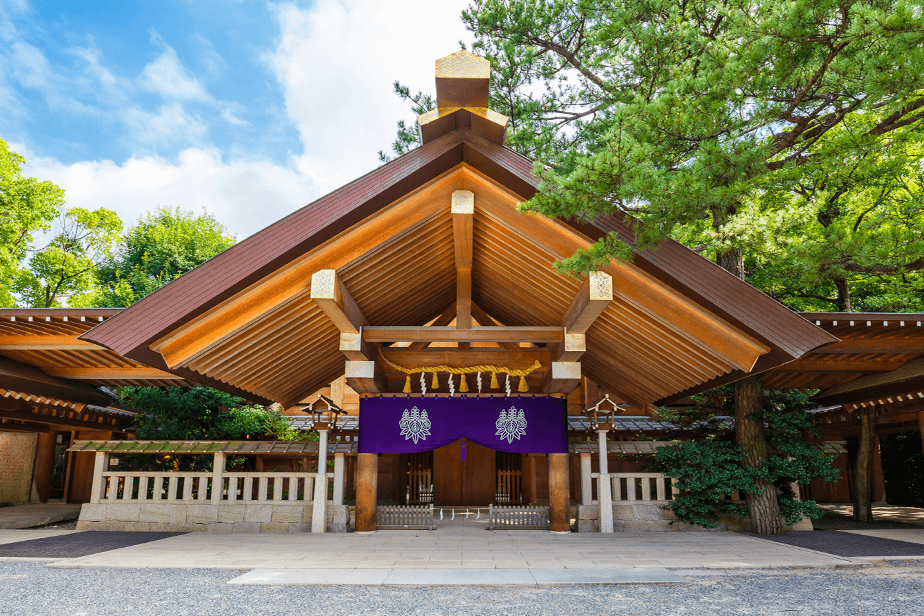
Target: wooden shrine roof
[
  {"x": 245, "y": 318},
  {"x": 47, "y": 339}
]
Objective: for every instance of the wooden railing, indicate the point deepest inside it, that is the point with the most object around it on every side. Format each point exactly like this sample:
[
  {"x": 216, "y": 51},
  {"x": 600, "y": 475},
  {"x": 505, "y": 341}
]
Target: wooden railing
[
  {"x": 508, "y": 487},
  {"x": 420, "y": 486},
  {"x": 404, "y": 517},
  {"x": 175, "y": 487},
  {"x": 531, "y": 517}
]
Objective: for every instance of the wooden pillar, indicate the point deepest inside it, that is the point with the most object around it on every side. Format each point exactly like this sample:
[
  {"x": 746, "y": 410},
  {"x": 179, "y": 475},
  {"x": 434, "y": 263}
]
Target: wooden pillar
[
  {"x": 559, "y": 503},
  {"x": 367, "y": 478},
  {"x": 44, "y": 464},
  {"x": 604, "y": 487},
  {"x": 319, "y": 510},
  {"x": 339, "y": 476},
  {"x": 877, "y": 478},
  {"x": 862, "y": 503},
  {"x": 586, "y": 480}
]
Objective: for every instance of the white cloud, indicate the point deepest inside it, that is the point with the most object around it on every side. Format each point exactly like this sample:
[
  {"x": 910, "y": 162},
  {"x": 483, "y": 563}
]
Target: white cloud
[
  {"x": 335, "y": 64},
  {"x": 169, "y": 124},
  {"x": 245, "y": 195},
  {"x": 167, "y": 77}
]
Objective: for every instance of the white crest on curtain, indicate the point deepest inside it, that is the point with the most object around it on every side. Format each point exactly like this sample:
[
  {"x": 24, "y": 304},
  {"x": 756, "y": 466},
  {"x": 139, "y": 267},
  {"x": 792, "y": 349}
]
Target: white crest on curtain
[
  {"x": 511, "y": 424},
  {"x": 415, "y": 425}
]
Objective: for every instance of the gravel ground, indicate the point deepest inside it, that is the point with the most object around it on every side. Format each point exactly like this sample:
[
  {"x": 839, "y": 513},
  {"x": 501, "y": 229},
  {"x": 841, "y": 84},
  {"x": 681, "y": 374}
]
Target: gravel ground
[{"x": 892, "y": 588}]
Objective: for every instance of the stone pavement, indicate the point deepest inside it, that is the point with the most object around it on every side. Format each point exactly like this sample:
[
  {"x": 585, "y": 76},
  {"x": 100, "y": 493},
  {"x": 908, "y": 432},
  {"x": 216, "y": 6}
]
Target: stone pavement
[
  {"x": 38, "y": 514},
  {"x": 475, "y": 549},
  {"x": 881, "y": 513}
]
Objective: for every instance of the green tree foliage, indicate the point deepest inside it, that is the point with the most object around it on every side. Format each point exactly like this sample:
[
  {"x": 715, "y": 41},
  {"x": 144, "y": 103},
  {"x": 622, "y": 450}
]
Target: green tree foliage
[
  {"x": 159, "y": 248},
  {"x": 66, "y": 267},
  {"x": 27, "y": 206},
  {"x": 709, "y": 468}
]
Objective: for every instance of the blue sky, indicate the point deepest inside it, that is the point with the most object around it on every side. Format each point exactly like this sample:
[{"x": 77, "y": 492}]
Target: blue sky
[{"x": 249, "y": 109}]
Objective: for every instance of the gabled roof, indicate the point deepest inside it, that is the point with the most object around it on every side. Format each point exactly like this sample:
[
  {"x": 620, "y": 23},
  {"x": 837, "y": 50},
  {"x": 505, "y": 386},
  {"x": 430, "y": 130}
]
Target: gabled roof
[{"x": 406, "y": 277}]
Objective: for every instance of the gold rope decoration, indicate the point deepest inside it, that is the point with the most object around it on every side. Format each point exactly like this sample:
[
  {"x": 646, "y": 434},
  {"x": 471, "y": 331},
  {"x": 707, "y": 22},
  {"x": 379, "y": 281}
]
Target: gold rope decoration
[{"x": 463, "y": 386}]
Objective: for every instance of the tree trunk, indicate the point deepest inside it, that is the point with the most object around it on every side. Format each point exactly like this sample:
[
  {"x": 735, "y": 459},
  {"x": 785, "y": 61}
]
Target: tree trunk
[
  {"x": 843, "y": 295},
  {"x": 862, "y": 492},
  {"x": 764, "y": 508}
]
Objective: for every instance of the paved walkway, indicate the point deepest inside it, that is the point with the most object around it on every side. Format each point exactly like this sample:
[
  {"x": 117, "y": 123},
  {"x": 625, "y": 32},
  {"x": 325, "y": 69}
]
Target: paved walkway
[
  {"x": 465, "y": 550},
  {"x": 38, "y": 514},
  {"x": 881, "y": 513}
]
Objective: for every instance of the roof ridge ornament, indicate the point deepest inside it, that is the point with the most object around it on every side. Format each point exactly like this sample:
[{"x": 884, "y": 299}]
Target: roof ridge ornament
[{"x": 462, "y": 85}]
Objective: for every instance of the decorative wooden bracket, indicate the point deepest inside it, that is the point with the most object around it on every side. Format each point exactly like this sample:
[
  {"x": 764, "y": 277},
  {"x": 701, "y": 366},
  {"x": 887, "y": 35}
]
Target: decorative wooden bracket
[{"x": 562, "y": 377}]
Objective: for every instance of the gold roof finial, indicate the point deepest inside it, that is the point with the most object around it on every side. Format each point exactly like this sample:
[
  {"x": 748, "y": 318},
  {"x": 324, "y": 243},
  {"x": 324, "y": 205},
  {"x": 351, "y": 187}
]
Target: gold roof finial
[{"x": 462, "y": 81}]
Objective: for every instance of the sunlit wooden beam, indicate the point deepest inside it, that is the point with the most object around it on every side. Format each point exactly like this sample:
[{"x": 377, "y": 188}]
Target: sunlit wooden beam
[
  {"x": 365, "y": 377},
  {"x": 331, "y": 296},
  {"x": 112, "y": 374},
  {"x": 562, "y": 377},
  {"x": 45, "y": 343},
  {"x": 487, "y": 320},
  {"x": 548, "y": 335},
  {"x": 592, "y": 298}
]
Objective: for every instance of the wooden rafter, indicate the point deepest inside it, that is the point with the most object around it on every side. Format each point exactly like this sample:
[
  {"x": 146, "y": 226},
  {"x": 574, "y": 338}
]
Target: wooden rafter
[
  {"x": 591, "y": 300},
  {"x": 13, "y": 425},
  {"x": 45, "y": 343},
  {"x": 58, "y": 417},
  {"x": 451, "y": 334},
  {"x": 129, "y": 373}
]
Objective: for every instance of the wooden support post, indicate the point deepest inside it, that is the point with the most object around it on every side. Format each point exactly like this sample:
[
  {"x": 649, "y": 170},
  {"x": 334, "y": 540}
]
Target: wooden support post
[
  {"x": 586, "y": 480},
  {"x": 559, "y": 500},
  {"x": 604, "y": 493},
  {"x": 365, "y": 377},
  {"x": 319, "y": 510},
  {"x": 463, "y": 210},
  {"x": 367, "y": 477},
  {"x": 339, "y": 476},
  {"x": 100, "y": 465},
  {"x": 218, "y": 482},
  {"x": 862, "y": 503},
  {"x": 464, "y": 303},
  {"x": 562, "y": 377}
]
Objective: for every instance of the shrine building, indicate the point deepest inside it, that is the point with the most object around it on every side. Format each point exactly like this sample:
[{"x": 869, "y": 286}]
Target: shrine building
[{"x": 420, "y": 311}]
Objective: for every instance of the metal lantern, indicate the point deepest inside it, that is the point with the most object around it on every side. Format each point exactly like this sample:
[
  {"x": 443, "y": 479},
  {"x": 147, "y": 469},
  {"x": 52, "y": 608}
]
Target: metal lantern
[{"x": 602, "y": 415}]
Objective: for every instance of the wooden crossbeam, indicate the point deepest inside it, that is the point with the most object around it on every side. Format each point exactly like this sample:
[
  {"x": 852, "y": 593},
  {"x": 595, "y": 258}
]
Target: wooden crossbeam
[
  {"x": 839, "y": 366},
  {"x": 113, "y": 374},
  {"x": 365, "y": 377},
  {"x": 562, "y": 377},
  {"x": 332, "y": 297},
  {"x": 12, "y": 425},
  {"x": 45, "y": 343},
  {"x": 435, "y": 356},
  {"x": 64, "y": 418},
  {"x": 548, "y": 335}
]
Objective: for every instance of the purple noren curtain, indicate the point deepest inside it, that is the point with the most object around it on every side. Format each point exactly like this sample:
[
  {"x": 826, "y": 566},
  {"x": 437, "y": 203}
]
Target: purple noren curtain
[{"x": 411, "y": 424}]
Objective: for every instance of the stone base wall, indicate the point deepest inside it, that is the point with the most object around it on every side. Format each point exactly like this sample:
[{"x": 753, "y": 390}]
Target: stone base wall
[
  {"x": 224, "y": 518},
  {"x": 17, "y": 456},
  {"x": 648, "y": 516}
]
